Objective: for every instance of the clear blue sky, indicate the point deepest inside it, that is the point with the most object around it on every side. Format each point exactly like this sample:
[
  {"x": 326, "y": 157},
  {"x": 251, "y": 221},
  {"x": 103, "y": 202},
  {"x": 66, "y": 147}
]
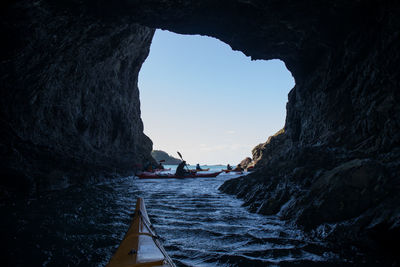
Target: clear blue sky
[{"x": 212, "y": 104}]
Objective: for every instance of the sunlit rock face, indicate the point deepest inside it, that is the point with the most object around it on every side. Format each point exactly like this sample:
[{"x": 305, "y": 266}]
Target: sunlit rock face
[
  {"x": 69, "y": 78},
  {"x": 70, "y": 108}
]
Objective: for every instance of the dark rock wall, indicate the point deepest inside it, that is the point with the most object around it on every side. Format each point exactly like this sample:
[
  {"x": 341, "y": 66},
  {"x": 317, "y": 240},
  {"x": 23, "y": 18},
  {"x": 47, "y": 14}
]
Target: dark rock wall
[{"x": 70, "y": 107}]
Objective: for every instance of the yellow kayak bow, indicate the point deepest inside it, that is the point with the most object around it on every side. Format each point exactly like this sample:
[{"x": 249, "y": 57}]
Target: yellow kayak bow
[{"x": 140, "y": 246}]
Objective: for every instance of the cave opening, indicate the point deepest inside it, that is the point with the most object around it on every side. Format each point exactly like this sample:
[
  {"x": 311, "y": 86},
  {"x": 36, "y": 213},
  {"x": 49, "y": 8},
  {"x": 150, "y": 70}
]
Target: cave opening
[{"x": 212, "y": 103}]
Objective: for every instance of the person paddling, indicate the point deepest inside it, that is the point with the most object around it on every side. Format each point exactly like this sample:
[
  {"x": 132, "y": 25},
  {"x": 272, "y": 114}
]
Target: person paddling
[
  {"x": 180, "y": 170},
  {"x": 198, "y": 168},
  {"x": 238, "y": 168},
  {"x": 160, "y": 166}
]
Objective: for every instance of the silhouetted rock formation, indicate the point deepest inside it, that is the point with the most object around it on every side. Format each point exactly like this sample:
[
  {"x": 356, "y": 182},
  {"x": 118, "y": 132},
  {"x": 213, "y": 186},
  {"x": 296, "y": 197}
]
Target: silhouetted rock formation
[
  {"x": 161, "y": 155},
  {"x": 68, "y": 82}
]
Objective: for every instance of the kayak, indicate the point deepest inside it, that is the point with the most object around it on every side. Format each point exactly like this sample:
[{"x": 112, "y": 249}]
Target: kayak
[
  {"x": 140, "y": 246},
  {"x": 201, "y": 170},
  {"x": 161, "y": 170},
  {"x": 151, "y": 175},
  {"x": 228, "y": 171}
]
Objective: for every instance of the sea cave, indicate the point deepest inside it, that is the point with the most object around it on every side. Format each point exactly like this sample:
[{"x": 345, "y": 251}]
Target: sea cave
[{"x": 70, "y": 110}]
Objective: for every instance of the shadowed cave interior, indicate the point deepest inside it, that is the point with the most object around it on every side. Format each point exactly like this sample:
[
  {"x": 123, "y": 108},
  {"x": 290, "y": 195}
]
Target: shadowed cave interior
[{"x": 70, "y": 108}]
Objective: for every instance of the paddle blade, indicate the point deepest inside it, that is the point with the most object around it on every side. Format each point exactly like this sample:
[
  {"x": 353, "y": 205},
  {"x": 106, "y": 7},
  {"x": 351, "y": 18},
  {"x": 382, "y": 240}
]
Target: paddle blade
[{"x": 179, "y": 155}]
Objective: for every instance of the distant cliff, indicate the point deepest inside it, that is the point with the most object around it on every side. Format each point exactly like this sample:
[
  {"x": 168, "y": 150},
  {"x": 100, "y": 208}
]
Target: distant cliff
[{"x": 161, "y": 155}]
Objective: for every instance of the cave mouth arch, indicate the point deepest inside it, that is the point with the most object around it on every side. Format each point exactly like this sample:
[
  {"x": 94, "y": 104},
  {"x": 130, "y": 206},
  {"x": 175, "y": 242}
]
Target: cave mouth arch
[{"x": 213, "y": 103}]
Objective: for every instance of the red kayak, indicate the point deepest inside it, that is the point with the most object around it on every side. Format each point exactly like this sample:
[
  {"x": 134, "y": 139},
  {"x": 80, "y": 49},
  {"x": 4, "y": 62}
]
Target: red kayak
[
  {"x": 152, "y": 175},
  {"x": 160, "y": 170},
  {"x": 228, "y": 171},
  {"x": 201, "y": 170}
]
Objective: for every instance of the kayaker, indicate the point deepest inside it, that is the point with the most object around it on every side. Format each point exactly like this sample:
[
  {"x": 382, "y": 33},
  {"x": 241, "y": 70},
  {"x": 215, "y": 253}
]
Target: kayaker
[
  {"x": 160, "y": 166},
  {"x": 180, "y": 170},
  {"x": 148, "y": 167},
  {"x": 238, "y": 168},
  {"x": 198, "y": 168},
  {"x": 229, "y": 167}
]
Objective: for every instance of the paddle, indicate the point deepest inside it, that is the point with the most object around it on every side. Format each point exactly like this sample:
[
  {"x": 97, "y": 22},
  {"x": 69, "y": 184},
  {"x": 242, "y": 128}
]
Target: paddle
[{"x": 183, "y": 160}]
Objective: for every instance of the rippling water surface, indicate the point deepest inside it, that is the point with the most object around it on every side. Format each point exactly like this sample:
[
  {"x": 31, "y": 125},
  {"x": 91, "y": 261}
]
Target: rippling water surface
[{"x": 199, "y": 226}]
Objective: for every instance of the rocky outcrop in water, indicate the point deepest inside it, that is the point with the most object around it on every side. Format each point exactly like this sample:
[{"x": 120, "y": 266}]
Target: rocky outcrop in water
[
  {"x": 335, "y": 168},
  {"x": 246, "y": 162}
]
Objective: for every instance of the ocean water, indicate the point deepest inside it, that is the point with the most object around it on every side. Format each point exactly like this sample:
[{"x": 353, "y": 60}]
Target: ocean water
[{"x": 198, "y": 226}]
